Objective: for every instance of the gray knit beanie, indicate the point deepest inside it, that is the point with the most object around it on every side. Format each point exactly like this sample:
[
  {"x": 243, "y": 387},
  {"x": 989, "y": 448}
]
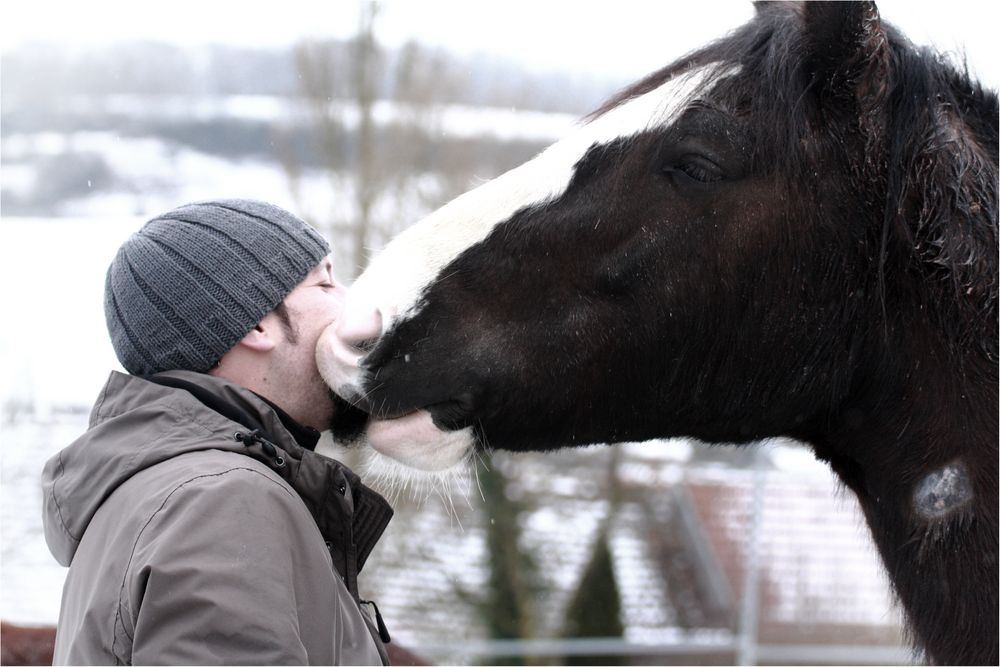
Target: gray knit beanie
[{"x": 192, "y": 282}]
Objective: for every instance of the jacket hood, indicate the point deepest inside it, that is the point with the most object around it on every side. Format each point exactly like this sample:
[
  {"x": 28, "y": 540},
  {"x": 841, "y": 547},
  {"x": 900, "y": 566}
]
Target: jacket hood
[{"x": 137, "y": 423}]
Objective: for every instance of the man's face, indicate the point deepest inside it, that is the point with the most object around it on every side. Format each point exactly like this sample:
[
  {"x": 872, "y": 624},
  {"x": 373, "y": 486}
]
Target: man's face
[{"x": 311, "y": 306}]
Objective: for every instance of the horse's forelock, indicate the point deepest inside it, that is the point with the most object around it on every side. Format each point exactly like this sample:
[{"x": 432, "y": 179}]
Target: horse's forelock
[
  {"x": 729, "y": 50},
  {"x": 769, "y": 95}
]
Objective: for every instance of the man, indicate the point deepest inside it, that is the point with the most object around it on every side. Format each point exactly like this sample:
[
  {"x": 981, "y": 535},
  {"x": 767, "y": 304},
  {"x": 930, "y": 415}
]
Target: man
[{"x": 199, "y": 525}]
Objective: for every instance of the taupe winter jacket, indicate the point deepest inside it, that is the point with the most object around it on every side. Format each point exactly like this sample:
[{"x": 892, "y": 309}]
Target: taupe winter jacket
[{"x": 199, "y": 531}]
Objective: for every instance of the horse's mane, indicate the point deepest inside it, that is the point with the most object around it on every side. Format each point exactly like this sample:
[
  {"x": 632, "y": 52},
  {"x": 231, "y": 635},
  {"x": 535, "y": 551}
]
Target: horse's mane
[
  {"x": 942, "y": 185},
  {"x": 937, "y": 172}
]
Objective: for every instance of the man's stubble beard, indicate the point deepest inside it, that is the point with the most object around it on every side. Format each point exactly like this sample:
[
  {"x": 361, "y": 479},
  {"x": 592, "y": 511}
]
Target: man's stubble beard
[{"x": 346, "y": 423}]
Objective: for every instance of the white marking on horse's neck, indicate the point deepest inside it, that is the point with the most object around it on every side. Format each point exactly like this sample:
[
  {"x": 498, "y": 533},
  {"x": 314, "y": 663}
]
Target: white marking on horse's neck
[
  {"x": 943, "y": 492},
  {"x": 396, "y": 278}
]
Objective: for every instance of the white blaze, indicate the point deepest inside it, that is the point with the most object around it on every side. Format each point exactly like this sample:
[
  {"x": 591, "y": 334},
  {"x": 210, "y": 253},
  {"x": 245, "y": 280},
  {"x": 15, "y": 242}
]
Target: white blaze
[
  {"x": 392, "y": 285},
  {"x": 395, "y": 279}
]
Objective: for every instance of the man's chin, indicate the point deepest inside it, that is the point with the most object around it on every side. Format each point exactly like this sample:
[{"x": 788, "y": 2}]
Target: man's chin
[{"x": 348, "y": 423}]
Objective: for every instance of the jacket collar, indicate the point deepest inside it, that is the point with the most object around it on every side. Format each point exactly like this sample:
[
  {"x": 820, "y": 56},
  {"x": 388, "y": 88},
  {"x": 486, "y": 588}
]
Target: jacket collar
[
  {"x": 350, "y": 516},
  {"x": 305, "y": 436},
  {"x": 131, "y": 412}
]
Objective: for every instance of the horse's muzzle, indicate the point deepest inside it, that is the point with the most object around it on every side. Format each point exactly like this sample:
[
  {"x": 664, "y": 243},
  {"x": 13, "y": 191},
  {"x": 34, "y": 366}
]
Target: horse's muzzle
[
  {"x": 411, "y": 438},
  {"x": 342, "y": 348},
  {"x": 339, "y": 364}
]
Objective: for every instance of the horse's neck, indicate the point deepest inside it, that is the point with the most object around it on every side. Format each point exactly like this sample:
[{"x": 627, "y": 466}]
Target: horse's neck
[{"x": 922, "y": 459}]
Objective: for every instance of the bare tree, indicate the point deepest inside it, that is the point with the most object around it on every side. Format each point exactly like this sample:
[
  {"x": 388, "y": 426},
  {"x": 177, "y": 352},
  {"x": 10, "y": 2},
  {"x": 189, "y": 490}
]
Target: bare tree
[
  {"x": 366, "y": 67},
  {"x": 373, "y": 118},
  {"x": 339, "y": 87}
]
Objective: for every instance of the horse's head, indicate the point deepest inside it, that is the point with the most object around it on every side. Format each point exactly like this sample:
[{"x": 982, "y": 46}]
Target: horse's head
[{"x": 706, "y": 255}]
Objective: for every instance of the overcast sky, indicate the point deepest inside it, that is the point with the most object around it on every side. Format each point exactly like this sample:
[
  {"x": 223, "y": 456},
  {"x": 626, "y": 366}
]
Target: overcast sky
[{"x": 623, "y": 38}]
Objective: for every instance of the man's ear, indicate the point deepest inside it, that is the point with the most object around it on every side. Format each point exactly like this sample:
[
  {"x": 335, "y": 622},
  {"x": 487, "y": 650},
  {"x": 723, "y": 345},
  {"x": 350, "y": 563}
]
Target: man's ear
[{"x": 259, "y": 339}]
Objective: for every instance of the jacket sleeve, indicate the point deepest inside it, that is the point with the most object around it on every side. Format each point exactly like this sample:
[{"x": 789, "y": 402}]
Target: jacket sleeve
[{"x": 213, "y": 577}]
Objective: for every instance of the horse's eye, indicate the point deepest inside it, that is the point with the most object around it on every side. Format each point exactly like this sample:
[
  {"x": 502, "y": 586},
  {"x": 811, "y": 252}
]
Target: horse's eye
[{"x": 699, "y": 169}]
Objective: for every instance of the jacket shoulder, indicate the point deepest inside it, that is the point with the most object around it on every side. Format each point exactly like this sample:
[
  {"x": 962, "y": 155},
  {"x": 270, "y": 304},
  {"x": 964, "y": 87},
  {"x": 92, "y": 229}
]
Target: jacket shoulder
[
  {"x": 230, "y": 541},
  {"x": 185, "y": 551},
  {"x": 203, "y": 486}
]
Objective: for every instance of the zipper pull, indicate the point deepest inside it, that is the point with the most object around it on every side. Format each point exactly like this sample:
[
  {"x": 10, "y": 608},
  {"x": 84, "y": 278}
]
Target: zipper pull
[{"x": 383, "y": 632}]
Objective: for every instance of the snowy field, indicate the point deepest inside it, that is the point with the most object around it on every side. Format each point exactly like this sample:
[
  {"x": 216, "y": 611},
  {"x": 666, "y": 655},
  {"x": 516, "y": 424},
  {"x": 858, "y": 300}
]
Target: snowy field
[
  {"x": 55, "y": 349},
  {"x": 456, "y": 120},
  {"x": 31, "y": 580},
  {"x": 55, "y": 356}
]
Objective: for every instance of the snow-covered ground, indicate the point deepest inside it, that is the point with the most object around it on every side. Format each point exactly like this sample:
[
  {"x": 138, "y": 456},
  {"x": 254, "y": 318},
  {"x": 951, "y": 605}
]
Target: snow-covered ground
[
  {"x": 54, "y": 348},
  {"x": 152, "y": 176},
  {"x": 455, "y": 120},
  {"x": 54, "y": 353},
  {"x": 30, "y": 579}
]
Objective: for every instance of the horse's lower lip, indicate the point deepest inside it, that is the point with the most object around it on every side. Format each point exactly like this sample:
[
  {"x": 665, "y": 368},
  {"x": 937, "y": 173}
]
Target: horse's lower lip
[
  {"x": 402, "y": 415},
  {"x": 451, "y": 415},
  {"x": 414, "y": 440},
  {"x": 386, "y": 414},
  {"x": 384, "y": 434},
  {"x": 390, "y": 415}
]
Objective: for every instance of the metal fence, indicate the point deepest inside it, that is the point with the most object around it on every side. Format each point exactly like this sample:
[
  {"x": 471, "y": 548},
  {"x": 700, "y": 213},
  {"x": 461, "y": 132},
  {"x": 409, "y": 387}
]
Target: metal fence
[{"x": 727, "y": 650}]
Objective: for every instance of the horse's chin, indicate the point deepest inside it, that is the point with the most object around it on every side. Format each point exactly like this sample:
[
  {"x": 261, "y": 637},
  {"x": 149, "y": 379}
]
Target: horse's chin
[{"x": 415, "y": 441}]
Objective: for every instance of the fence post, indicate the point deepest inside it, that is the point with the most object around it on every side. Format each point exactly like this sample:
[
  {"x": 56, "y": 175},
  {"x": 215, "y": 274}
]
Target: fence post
[{"x": 750, "y": 607}]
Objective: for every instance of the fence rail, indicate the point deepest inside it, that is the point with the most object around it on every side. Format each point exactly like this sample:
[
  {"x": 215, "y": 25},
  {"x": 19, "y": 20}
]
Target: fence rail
[{"x": 765, "y": 653}]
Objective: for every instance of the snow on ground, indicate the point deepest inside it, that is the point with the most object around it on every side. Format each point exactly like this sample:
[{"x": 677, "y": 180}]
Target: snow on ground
[
  {"x": 455, "y": 120},
  {"x": 30, "y": 579},
  {"x": 54, "y": 352},
  {"x": 150, "y": 175},
  {"x": 54, "y": 348}
]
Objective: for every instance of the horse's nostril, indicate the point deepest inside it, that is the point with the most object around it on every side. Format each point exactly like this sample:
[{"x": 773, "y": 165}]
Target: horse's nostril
[{"x": 366, "y": 346}]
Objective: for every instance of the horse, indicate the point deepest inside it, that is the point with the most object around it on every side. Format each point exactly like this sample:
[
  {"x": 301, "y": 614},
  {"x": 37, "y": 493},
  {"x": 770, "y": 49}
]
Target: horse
[{"x": 791, "y": 231}]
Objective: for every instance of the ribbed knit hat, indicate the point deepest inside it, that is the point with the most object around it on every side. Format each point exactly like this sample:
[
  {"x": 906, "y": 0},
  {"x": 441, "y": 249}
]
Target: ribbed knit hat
[{"x": 184, "y": 289}]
